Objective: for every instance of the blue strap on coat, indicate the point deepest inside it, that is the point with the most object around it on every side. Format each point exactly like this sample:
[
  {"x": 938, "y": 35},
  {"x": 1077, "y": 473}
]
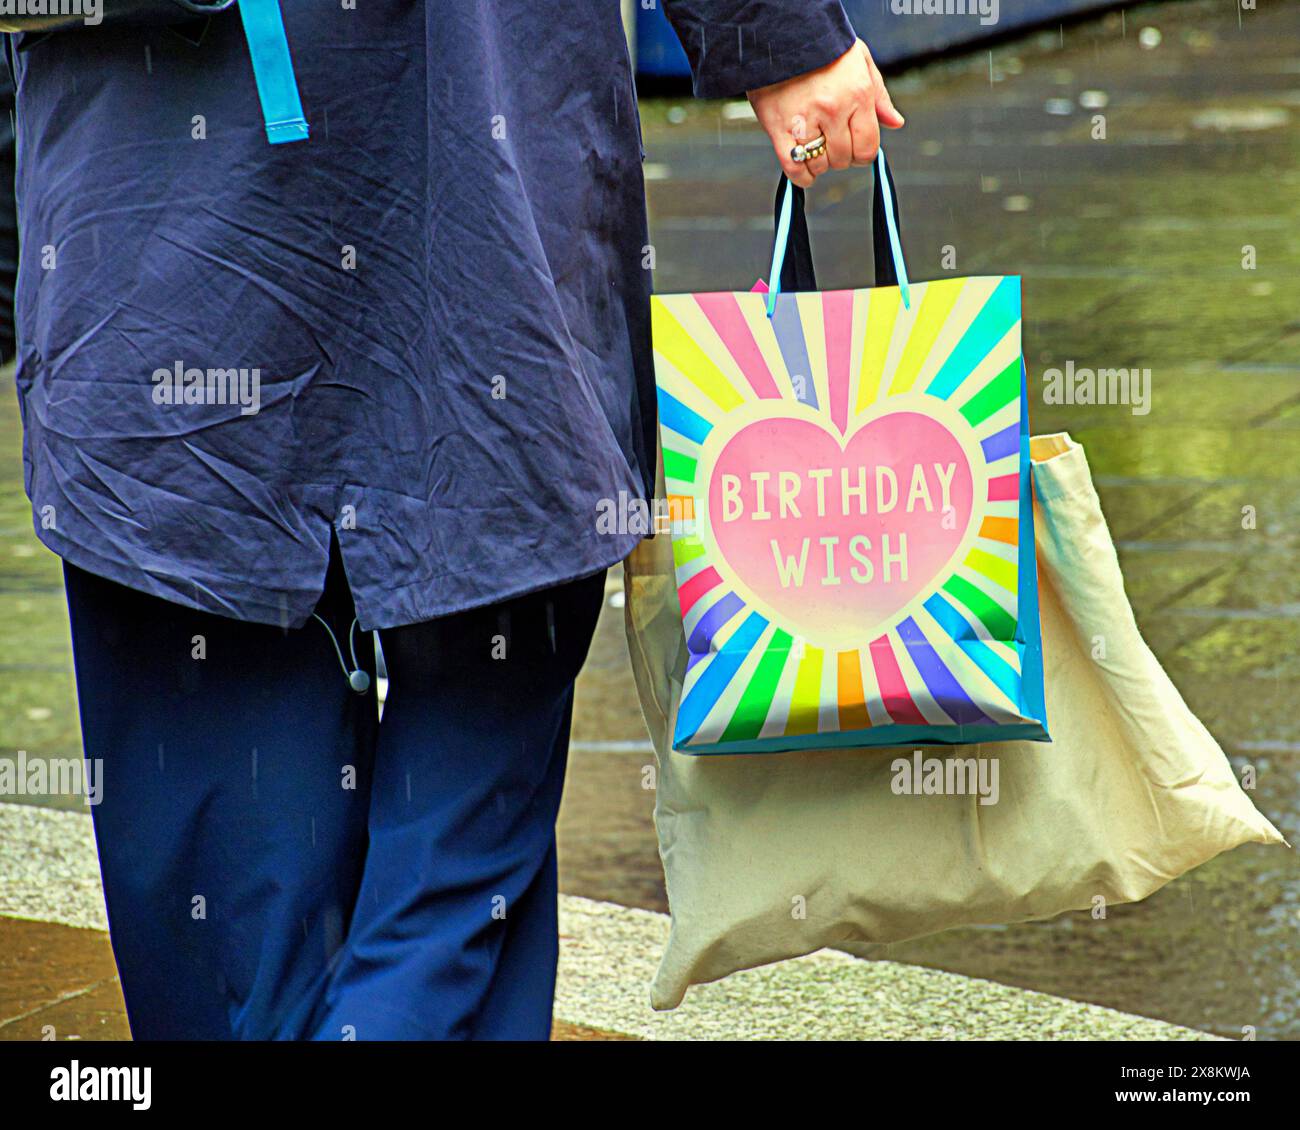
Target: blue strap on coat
[{"x": 273, "y": 69}]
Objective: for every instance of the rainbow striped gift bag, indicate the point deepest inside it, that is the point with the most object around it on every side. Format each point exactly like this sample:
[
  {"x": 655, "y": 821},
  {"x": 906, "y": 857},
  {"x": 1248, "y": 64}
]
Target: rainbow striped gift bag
[{"x": 852, "y": 529}]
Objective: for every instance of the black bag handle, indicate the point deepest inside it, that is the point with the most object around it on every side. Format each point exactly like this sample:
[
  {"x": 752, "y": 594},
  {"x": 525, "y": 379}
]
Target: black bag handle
[{"x": 797, "y": 266}]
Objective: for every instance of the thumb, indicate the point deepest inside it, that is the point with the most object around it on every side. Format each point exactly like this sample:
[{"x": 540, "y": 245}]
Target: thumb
[{"x": 886, "y": 112}]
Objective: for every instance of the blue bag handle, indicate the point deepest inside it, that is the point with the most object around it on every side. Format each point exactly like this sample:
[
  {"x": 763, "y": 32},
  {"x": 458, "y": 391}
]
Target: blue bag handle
[
  {"x": 277, "y": 87},
  {"x": 792, "y": 229}
]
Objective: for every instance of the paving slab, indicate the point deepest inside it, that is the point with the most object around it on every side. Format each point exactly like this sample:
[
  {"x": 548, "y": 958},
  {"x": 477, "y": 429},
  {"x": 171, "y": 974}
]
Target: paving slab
[
  {"x": 608, "y": 954},
  {"x": 58, "y": 979}
]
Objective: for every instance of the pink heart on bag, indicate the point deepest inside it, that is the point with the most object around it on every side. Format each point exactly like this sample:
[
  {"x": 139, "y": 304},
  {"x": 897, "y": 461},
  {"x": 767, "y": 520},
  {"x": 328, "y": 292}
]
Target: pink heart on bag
[{"x": 842, "y": 592}]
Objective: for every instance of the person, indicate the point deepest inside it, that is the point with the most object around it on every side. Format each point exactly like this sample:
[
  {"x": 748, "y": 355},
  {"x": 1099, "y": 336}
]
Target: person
[{"x": 279, "y": 397}]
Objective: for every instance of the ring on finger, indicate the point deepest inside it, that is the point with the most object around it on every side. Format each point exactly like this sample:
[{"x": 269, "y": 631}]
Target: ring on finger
[{"x": 809, "y": 151}]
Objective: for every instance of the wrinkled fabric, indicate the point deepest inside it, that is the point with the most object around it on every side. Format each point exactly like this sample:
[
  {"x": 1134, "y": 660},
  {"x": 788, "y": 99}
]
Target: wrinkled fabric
[
  {"x": 8, "y": 219},
  {"x": 443, "y": 295}
]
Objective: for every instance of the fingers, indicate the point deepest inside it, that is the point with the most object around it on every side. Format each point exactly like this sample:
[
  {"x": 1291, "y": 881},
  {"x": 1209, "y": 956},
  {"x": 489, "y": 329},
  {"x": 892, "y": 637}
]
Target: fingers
[
  {"x": 866, "y": 135},
  {"x": 797, "y": 171},
  {"x": 853, "y": 141},
  {"x": 850, "y": 120},
  {"x": 815, "y": 166},
  {"x": 795, "y": 131},
  {"x": 846, "y": 102},
  {"x": 866, "y": 120},
  {"x": 839, "y": 144},
  {"x": 836, "y": 154},
  {"x": 830, "y": 114}
]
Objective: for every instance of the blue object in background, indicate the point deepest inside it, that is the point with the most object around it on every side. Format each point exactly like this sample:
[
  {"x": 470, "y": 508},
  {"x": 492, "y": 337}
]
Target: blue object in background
[
  {"x": 893, "y": 38},
  {"x": 659, "y": 53}
]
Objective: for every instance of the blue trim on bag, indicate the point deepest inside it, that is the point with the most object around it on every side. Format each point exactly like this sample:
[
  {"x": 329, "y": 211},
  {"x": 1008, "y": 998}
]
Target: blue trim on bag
[
  {"x": 778, "y": 247},
  {"x": 1029, "y": 627},
  {"x": 895, "y": 247},
  {"x": 268, "y": 47},
  {"x": 880, "y": 738}
]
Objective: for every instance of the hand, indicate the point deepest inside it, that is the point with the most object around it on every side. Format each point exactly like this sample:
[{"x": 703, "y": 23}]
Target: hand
[{"x": 845, "y": 102}]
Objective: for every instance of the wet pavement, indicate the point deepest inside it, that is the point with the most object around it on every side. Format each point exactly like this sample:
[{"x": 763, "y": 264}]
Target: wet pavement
[
  {"x": 57, "y": 982},
  {"x": 1131, "y": 248}
]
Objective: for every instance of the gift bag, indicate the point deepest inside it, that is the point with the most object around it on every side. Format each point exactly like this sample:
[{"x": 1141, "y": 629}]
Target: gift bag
[
  {"x": 847, "y": 478},
  {"x": 772, "y": 857}
]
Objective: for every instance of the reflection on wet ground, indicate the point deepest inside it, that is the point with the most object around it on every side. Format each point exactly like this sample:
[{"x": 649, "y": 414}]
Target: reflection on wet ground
[{"x": 1132, "y": 250}]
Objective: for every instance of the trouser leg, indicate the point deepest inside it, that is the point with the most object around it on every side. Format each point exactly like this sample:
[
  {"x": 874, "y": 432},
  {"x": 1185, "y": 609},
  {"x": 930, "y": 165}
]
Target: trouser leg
[
  {"x": 454, "y": 934},
  {"x": 232, "y": 829}
]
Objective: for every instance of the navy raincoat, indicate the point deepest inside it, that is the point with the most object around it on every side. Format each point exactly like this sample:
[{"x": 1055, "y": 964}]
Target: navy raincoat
[{"x": 423, "y": 332}]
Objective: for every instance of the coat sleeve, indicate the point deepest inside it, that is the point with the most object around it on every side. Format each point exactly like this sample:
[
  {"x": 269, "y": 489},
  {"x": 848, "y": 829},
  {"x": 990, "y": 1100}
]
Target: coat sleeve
[{"x": 738, "y": 45}]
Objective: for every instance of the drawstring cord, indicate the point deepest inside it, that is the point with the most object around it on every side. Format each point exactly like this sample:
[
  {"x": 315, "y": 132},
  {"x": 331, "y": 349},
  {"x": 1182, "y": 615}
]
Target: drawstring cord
[{"x": 357, "y": 679}]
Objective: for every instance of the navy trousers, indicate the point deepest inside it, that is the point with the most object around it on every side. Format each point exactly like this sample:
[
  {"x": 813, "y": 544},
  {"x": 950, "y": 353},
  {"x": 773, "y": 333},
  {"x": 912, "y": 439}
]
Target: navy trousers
[{"x": 279, "y": 864}]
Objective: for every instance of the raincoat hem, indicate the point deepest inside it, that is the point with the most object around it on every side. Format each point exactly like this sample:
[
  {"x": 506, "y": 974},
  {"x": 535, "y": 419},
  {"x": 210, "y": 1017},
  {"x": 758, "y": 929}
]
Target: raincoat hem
[
  {"x": 291, "y": 609},
  {"x": 395, "y": 615}
]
